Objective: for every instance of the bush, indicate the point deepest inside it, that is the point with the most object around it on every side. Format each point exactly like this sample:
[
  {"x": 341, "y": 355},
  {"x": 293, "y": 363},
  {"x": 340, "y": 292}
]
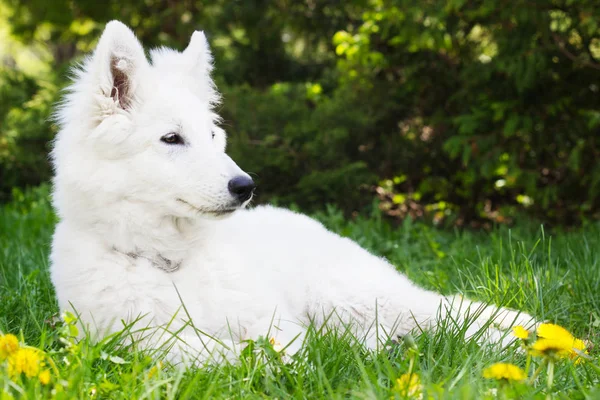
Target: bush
[
  {"x": 468, "y": 110},
  {"x": 500, "y": 102},
  {"x": 25, "y": 130},
  {"x": 301, "y": 147}
]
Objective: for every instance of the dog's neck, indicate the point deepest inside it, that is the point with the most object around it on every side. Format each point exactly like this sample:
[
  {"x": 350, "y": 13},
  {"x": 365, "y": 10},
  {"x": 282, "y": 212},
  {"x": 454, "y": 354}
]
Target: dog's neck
[
  {"x": 165, "y": 243},
  {"x": 135, "y": 228},
  {"x": 164, "y": 240},
  {"x": 166, "y": 237}
]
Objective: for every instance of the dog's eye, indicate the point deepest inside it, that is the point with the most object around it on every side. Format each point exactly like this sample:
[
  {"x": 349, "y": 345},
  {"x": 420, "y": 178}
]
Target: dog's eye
[
  {"x": 213, "y": 134},
  {"x": 172, "y": 138}
]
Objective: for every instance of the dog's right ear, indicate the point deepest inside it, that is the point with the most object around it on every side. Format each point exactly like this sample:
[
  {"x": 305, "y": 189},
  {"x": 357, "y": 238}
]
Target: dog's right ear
[{"x": 117, "y": 60}]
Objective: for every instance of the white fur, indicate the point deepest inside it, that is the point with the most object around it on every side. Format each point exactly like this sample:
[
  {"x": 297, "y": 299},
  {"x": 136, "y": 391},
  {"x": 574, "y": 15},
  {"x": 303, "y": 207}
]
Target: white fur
[{"x": 118, "y": 189}]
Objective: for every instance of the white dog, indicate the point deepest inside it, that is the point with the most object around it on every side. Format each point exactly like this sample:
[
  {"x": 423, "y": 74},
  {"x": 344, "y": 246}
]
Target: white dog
[{"x": 142, "y": 189}]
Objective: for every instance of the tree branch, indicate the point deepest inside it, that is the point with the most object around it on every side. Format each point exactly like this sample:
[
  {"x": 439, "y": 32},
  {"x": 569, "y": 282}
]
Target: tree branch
[{"x": 563, "y": 49}]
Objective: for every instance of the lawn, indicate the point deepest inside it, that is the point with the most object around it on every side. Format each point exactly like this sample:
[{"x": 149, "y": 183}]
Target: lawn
[{"x": 552, "y": 274}]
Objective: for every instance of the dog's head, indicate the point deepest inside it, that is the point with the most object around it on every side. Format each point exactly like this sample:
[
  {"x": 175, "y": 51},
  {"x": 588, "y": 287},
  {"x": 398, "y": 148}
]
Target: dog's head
[{"x": 144, "y": 133}]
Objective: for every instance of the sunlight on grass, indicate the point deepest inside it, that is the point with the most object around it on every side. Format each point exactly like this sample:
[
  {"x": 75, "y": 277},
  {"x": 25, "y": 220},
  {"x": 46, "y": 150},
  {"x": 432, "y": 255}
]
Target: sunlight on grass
[{"x": 552, "y": 275}]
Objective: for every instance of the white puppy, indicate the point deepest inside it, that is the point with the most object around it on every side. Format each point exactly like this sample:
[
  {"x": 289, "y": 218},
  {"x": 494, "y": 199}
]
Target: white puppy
[{"x": 142, "y": 188}]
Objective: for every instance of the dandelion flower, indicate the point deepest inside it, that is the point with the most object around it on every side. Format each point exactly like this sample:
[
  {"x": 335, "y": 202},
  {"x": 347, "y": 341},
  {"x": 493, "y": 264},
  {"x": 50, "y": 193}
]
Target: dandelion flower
[
  {"x": 44, "y": 377},
  {"x": 556, "y": 340},
  {"x": 154, "y": 370},
  {"x": 546, "y": 347},
  {"x": 520, "y": 332},
  {"x": 578, "y": 348},
  {"x": 8, "y": 345},
  {"x": 579, "y": 344},
  {"x": 25, "y": 360},
  {"x": 553, "y": 332},
  {"x": 409, "y": 385},
  {"x": 509, "y": 372}
]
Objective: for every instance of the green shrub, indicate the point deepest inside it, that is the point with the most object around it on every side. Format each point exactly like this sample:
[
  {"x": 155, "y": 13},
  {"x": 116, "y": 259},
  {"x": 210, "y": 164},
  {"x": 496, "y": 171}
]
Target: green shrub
[
  {"x": 467, "y": 110},
  {"x": 25, "y": 130},
  {"x": 300, "y": 146},
  {"x": 500, "y": 102}
]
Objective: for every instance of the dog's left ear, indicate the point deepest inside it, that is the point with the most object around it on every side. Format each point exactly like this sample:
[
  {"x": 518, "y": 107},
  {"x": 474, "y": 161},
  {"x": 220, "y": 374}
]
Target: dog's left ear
[{"x": 198, "y": 62}]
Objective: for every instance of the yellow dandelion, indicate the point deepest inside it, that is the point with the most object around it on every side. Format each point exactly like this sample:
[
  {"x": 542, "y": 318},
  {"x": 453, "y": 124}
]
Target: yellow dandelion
[
  {"x": 25, "y": 360},
  {"x": 578, "y": 348},
  {"x": 552, "y": 331},
  {"x": 44, "y": 377},
  {"x": 8, "y": 345},
  {"x": 154, "y": 370},
  {"x": 546, "y": 346},
  {"x": 509, "y": 372},
  {"x": 409, "y": 385},
  {"x": 520, "y": 332},
  {"x": 556, "y": 340}
]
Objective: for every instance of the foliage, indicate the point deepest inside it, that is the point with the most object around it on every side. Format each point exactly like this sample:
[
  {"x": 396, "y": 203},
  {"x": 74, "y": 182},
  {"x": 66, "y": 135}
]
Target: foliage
[
  {"x": 303, "y": 148},
  {"x": 24, "y": 113},
  {"x": 458, "y": 110},
  {"x": 553, "y": 277},
  {"x": 503, "y": 99}
]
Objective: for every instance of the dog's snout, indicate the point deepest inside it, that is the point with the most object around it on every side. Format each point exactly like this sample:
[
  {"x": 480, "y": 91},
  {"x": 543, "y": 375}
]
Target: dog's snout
[{"x": 241, "y": 187}]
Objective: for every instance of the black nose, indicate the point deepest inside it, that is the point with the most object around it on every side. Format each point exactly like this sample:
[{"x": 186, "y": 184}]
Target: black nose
[{"x": 241, "y": 187}]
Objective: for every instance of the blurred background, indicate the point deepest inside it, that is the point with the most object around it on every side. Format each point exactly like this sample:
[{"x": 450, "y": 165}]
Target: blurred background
[{"x": 457, "y": 112}]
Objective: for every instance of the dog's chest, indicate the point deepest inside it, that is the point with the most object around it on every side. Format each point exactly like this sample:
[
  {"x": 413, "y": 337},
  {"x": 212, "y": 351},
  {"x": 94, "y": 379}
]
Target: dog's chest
[{"x": 210, "y": 291}]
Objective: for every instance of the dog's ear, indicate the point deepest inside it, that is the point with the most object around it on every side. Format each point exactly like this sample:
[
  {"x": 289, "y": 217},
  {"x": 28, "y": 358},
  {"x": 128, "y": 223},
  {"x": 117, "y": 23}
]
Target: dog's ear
[
  {"x": 117, "y": 60},
  {"x": 198, "y": 63},
  {"x": 198, "y": 56}
]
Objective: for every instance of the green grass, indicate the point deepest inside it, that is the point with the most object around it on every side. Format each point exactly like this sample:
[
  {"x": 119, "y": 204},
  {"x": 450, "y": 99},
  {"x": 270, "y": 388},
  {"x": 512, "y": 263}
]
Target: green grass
[{"x": 553, "y": 275}]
